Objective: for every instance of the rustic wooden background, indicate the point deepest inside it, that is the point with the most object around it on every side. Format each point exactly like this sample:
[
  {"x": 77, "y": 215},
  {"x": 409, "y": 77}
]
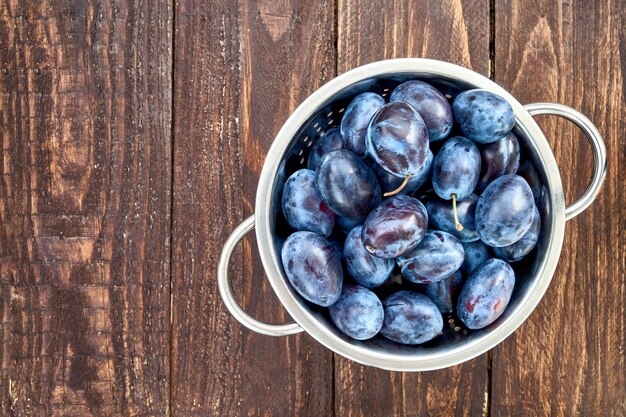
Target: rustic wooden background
[{"x": 133, "y": 133}]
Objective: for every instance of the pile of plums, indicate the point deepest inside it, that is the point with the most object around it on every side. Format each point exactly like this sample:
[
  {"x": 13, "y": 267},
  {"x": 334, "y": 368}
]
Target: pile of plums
[{"x": 424, "y": 185}]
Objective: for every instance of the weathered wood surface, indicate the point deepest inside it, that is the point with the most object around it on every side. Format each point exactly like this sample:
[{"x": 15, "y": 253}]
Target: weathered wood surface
[
  {"x": 568, "y": 358},
  {"x": 240, "y": 71},
  {"x": 127, "y": 125},
  {"x": 85, "y": 92}
]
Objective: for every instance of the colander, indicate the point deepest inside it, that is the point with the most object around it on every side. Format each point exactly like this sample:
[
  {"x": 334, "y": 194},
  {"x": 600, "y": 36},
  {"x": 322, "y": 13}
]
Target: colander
[{"x": 289, "y": 152}]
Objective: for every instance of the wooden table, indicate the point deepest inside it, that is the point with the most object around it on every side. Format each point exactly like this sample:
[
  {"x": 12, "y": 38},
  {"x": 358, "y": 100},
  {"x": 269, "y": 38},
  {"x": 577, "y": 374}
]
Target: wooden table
[{"x": 133, "y": 134}]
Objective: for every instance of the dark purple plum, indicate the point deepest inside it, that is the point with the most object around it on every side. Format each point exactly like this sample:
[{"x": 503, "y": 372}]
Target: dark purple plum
[
  {"x": 437, "y": 256},
  {"x": 303, "y": 207},
  {"x": 411, "y": 318},
  {"x": 498, "y": 158},
  {"x": 505, "y": 211},
  {"x": 358, "y": 312},
  {"x": 482, "y": 116},
  {"x": 331, "y": 141},
  {"x": 486, "y": 294},
  {"x": 346, "y": 224},
  {"x": 527, "y": 171},
  {"x": 446, "y": 292},
  {"x": 356, "y": 119},
  {"x": 389, "y": 182},
  {"x": 347, "y": 184},
  {"x": 430, "y": 104},
  {"x": 397, "y": 139},
  {"x": 441, "y": 216},
  {"x": 313, "y": 267},
  {"x": 456, "y": 168},
  {"x": 395, "y": 227},
  {"x": 475, "y": 254},
  {"x": 366, "y": 269},
  {"x": 522, "y": 247}
]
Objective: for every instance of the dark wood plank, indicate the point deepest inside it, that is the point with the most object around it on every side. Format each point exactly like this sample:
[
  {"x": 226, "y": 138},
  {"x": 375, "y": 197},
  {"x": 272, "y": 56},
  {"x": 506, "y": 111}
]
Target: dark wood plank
[
  {"x": 568, "y": 358},
  {"x": 455, "y": 31},
  {"x": 240, "y": 70},
  {"x": 85, "y": 99}
]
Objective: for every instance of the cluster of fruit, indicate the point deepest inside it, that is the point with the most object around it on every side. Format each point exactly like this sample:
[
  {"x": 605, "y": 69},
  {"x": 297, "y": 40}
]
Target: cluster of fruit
[{"x": 356, "y": 219}]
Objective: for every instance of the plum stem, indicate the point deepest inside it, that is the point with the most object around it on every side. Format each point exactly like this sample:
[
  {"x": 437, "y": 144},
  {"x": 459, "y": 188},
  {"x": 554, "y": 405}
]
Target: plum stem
[
  {"x": 457, "y": 223},
  {"x": 400, "y": 188}
]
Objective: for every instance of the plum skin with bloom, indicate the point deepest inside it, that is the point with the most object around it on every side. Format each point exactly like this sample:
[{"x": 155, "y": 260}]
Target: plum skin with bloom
[
  {"x": 358, "y": 312},
  {"x": 411, "y": 318},
  {"x": 313, "y": 267}
]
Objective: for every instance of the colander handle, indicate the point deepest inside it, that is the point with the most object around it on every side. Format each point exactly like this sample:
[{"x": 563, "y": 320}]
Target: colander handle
[
  {"x": 597, "y": 145},
  {"x": 226, "y": 290}
]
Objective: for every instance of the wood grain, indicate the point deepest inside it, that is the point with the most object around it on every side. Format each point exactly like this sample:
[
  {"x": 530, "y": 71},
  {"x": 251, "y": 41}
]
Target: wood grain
[
  {"x": 100, "y": 168},
  {"x": 241, "y": 69},
  {"x": 85, "y": 94},
  {"x": 455, "y": 31},
  {"x": 568, "y": 358}
]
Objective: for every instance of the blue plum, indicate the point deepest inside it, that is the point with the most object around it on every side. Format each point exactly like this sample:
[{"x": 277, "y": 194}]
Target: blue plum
[
  {"x": 456, "y": 168},
  {"x": 437, "y": 256},
  {"x": 331, "y": 141},
  {"x": 347, "y": 184},
  {"x": 498, "y": 158},
  {"x": 441, "y": 217},
  {"x": 475, "y": 254},
  {"x": 389, "y": 182},
  {"x": 303, "y": 207},
  {"x": 366, "y": 269},
  {"x": 430, "y": 104},
  {"x": 358, "y": 312},
  {"x": 527, "y": 171},
  {"x": 446, "y": 292},
  {"x": 395, "y": 227},
  {"x": 356, "y": 119},
  {"x": 482, "y": 116},
  {"x": 411, "y": 318},
  {"x": 522, "y": 247},
  {"x": 486, "y": 294},
  {"x": 397, "y": 139},
  {"x": 313, "y": 267},
  {"x": 505, "y": 211}
]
